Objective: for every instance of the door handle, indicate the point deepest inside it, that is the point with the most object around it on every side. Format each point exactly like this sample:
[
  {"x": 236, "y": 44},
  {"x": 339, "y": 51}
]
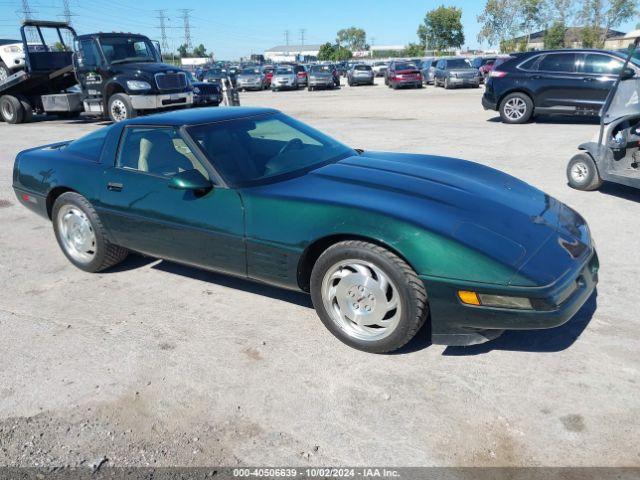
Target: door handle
[{"x": 114, "y": 187}]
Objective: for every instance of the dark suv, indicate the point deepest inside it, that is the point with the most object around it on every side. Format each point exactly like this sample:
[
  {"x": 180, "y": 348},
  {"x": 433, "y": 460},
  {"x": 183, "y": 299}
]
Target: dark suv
[{"x": 567, "y": 82}]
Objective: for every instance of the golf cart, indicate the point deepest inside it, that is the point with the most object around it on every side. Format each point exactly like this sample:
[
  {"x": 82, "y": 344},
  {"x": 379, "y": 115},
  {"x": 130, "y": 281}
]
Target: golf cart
[{"x": 615, "y": 155}]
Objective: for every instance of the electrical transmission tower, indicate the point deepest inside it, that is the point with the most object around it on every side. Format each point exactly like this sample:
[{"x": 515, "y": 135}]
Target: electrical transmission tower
[
  {"x": 164, "y": 44},
  {"x": 302, "y": 32},
  {"x": 286, "y": 37},
  {"x": 27, "y": 14},
  {"x": 66, "y": 14},
  {"x": 186, "y": 14}
]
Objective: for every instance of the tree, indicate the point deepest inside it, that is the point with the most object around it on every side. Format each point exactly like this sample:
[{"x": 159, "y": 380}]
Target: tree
[
  {"x": 599, "y": 16},
  {"x": 182, "y": 51},
  {"x": 498, "y": 23},
  {"x": 530, "y": 15},
  {"x": 443, "y": 28},
  {"x": 352, "y": 38},
  {"x": 326, "y": 51},
  {"x": 341, "y": 54},
  {"x": 554, "y": 36},
  {"x": 200, "y": 51},
  {"x": 413, "y": 50}
]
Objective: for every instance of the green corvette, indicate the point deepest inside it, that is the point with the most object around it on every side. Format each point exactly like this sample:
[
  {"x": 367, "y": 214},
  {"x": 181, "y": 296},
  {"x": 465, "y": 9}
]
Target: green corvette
[{"x": 383, "y": 242}]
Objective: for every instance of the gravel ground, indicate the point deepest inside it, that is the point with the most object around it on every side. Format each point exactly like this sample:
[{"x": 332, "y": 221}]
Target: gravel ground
[{"x": 157, "y": 364}]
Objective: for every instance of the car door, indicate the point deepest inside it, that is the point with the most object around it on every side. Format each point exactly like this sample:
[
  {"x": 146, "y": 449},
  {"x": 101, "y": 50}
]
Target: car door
[
  {"x": 555, "y": 82},
  {"x": 439, "y": 72},
  {"x": 88, "y": 66},
  {"x": 599, "y": 72},
  {"x": 144, "y": 214}
]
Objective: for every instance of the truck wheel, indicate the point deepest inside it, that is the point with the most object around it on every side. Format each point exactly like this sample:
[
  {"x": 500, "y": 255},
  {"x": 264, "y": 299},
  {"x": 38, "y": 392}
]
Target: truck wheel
[
  {"x": 120, "y": 108},
  {"x": 516, "y": 108},
  {"x": 11, "y": 109},
  {"x": 4, "y": 71},
  {"x": 26, "y": 108},
  {"x": 582, "y": 173},
  {"x": 81, "y": 235},
  {"x": 368, "y": 297}
]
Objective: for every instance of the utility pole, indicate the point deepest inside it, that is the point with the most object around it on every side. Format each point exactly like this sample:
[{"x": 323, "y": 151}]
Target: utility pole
[
  {"x": 162, "y": 16},
  {"x": 27, "y": 14},
  {"x": 302, "y": 32},
  {"x": 186, "y": 13},
  {"x": 373, "y": 41}
]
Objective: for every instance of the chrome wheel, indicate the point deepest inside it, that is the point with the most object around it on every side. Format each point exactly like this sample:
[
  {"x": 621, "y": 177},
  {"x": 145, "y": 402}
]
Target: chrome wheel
[
  {"x": 515, "y": 108},
  {"x": 76, "y": 234},
  {"x": 579, "y": 172},
  {"x": 361, "y": 300},
  {"x": 118, "y": 110}
]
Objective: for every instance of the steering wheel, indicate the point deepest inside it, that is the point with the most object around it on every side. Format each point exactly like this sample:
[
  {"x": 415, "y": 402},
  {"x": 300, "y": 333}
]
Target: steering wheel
[{"x": 294, "y": 142}]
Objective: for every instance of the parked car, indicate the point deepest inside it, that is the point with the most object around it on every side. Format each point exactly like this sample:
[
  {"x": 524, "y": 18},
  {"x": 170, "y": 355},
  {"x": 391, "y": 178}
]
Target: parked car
[
  {"x": 214, "y": 75},
  {"x": 268, "y": 71},
  {"x": 251, "y": 78},
  {"x": 455, "y": 72},
  {"x": 284, "y": 78},
  {"x": 301, "y": 73},
  {"x": 322, "y": 76},
  {"x": 205, "y": 94},
  {"x": 479, "y": 62},
  {"x": 297, "y": 209},
  {"x": 487, "y": 67},
  {"x": 428, "y": 71},
  {"x": 403, "y": 74},
  {"x": 567, "y": 82},
  {"x": 380, "y": 68},
  {"x": 360, "y": 74},
  {"x": 11, "y": 57}
]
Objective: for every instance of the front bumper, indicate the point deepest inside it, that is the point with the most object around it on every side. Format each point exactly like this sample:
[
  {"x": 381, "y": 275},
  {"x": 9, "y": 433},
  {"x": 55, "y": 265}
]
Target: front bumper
[
  {"x": 164, "y": 100},
  {"x": 454, "y": 323}
]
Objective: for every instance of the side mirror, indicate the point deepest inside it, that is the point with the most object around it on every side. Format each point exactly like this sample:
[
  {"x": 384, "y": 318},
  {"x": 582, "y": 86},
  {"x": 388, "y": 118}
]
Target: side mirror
[
  {"x": 627, "y": 73},
  {"x": 190, "y": 180}
]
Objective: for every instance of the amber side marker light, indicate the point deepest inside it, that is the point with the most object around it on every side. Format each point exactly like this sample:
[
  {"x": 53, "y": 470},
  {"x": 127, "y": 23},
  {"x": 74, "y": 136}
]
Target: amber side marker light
[{"x": 470, "y": 298}]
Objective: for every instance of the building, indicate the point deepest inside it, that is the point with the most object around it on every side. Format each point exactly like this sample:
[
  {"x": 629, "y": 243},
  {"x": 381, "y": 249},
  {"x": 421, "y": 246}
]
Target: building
[
  {"x": 622, "y": 42},
  {"x": 292, "y": 53},
  {"x": 572, "y": 39}
]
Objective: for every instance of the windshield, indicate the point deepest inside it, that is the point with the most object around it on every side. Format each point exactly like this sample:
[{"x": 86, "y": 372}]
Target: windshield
[
  {"x": 458, "y": 63},
  {"x": 251, "y": 71},
  {"x": 321, "y": 68},
  {"x": 128, "y": 49},
  {"x": 251, "y": 150},
  {"x": 284, "y": 71},
  {"x": 405, "y": 66}
]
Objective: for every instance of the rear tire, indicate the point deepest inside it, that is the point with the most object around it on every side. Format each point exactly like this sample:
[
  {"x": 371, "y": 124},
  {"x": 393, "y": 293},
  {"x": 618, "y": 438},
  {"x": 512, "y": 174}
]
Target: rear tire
[
  {"x": 392, "y": 305},
  {"x": 11, "y": 109},
  {"x": 582, "y": 173},
  {"x": 81, "y": 235},
  {"x": 26, "y": 108},
  {"x": 120, "y": 108},
  {"x": 516, "y": 108}
]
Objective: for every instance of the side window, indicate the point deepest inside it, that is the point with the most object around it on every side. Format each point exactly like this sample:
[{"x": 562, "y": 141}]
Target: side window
[
  {"x": 440, "y": 64},
  {"x": 602, "y": 64},
  {"x": 159, "y": 151},
  {"x": 558, "y": 62},
  {"x": 88, "y": 53}
]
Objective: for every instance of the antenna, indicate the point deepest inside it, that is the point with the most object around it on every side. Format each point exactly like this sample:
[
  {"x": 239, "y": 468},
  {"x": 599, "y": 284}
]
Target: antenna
[{"x": 186, "y": 13}]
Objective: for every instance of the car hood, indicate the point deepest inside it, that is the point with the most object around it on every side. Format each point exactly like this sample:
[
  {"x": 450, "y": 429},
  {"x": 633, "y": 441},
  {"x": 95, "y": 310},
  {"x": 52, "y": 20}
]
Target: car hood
[
  {"x": 145, "y": 67},
  {"x": 489, "y": 211}
]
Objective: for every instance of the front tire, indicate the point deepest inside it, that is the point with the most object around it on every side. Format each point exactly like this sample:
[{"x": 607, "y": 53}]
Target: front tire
[
  {"x": 120, "y": 108},
  {"x": 81, "y": 235},
  {"x": 516, "y": 108},
  {"x": 582, "y": 173},
  {"x": 368, "y": 297},
  {"x": 11, "y": 109}
]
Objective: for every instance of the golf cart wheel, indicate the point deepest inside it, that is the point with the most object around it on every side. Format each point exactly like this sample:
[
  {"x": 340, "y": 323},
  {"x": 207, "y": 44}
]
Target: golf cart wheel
[
  {"x": 582, "y": 173},
  {"x": 11, "y": 109},
  {"x": 120, "y": 108},
  {"x": 516, "y": 108}
]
